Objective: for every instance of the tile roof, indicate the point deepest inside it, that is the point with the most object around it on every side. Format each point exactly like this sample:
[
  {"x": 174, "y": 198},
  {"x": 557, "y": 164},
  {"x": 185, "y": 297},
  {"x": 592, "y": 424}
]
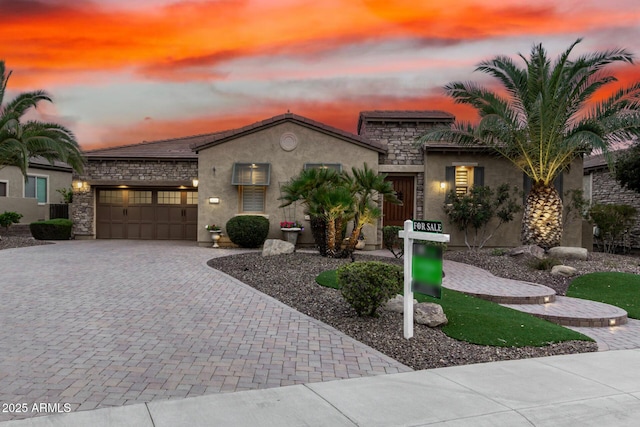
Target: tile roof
[
  {"x": 175, "y": 148},
  {"x": 290, "y": 117},
  {"x": 404, "y": 116},
  {"x": 599, "y": 161},
  {"x": 40, "y": 162}
]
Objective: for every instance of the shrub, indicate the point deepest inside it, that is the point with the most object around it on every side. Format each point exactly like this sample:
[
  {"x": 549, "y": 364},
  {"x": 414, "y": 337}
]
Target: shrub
[
  {"x": 613, "y": 222},
  {"x": 53, "y": 229},
  {"x": 473, "y": 212},
  {"x": 391, "y": 241},
  {"x": 367, "y": 285},
  {"x": 8, "y": 218},
  {"x": 248, "y": 231},
  {"x": 544, "y": 263}
]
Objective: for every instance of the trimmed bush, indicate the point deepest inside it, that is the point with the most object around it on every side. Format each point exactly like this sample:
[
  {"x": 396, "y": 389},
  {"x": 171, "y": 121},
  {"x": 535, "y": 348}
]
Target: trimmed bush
[
  {"x": 248, "y": 231},
  {"x": 367, "y": 285},
  {"x": 53, "y": 229},
  {"x": 8, "y": 218}
]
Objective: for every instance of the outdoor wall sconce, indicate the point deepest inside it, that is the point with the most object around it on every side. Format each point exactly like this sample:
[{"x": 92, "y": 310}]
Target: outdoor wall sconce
[
  {"x": 443, "y": 185},
  {"x": 214, "y": 200},
  {"x": 79, "y": 185},
  {"x": 195, "y": 182}
]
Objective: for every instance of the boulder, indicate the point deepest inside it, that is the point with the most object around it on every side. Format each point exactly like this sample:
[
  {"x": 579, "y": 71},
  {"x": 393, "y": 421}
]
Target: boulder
[
  {"x": 397, "y": 304},
  {"x": 569, "y": 252},
  {"x": 533, "y": 250},
  {"x": 563, "y": 270},
  {"x": 430, "y": 314},
  {"x": 277, "y": 247}
]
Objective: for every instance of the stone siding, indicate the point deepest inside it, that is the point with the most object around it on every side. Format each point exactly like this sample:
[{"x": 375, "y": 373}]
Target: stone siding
[
  {"x": 146, "y": 172},
  {"x": 400, "y": 140},
  {"x": 606, "y": 190},
  {"x": 143, "y": 171}
]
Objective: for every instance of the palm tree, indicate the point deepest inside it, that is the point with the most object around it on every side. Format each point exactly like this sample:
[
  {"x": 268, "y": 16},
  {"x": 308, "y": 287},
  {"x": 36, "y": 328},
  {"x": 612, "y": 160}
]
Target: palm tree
[
  {"x": 364, "y": 184},
  {"x": 543, "y": 117},
  {"x": 22, "y": 141}
]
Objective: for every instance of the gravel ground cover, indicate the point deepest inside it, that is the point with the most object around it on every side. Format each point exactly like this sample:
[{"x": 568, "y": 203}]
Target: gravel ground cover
[{"x": 291, "y": 279}]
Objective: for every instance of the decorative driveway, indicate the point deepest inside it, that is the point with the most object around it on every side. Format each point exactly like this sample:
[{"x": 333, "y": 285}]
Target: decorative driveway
[{"x": 90, "y": 324}]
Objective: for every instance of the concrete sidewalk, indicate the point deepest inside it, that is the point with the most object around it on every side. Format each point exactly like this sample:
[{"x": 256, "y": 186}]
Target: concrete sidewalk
[{"x": 589, "y": 389}]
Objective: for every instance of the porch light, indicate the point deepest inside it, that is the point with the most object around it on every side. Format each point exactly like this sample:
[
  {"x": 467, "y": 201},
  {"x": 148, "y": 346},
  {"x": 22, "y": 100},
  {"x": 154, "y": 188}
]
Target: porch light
[
  {"x": 443, "y": 185},
  {"x": 195, "y": 182},
  {"x": 79, "y": 185}
]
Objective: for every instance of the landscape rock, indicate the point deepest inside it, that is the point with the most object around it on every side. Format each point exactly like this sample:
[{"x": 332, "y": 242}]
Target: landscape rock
[
  {"x": 430, "y": 314},
  {"x": 396, "y": 304},
  {"x": 533, "y": 250},
  {"x": 569, "y": 252},
  {"x": 277, "y": 247},
  {"x": 563, "y": 270}
]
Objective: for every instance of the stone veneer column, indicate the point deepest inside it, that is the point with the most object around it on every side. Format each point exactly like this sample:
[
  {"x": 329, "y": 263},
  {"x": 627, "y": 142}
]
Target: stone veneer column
[{"x": 83, "y": 212}]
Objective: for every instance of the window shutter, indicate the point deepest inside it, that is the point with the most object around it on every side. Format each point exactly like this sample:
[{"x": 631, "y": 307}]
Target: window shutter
[
  {"x": 253, "y": 198},
  {"x": 450, "y": 178},
  {"x": 478, "y": 176}
]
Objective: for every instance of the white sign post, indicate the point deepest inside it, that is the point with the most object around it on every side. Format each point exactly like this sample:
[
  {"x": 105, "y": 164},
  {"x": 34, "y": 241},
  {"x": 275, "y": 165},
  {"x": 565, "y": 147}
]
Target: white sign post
[{"x": 409, "y": 235}]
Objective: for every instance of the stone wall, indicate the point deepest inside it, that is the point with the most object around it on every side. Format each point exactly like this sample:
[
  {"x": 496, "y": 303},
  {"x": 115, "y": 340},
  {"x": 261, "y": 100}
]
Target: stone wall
[
  {"x": 142, "y": 171},
  {"x": 82, "y": 212},
  {"x": 400, "y": 140},
  {"x": 605, "y": 189}
]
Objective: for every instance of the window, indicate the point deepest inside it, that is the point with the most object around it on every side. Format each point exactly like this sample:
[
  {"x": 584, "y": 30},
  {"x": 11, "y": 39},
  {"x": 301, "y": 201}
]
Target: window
[
  {"x": 110, "y": 197},
  {"x": 252, "y": 180},
  {"x": 335, "y": 166},
  {"x": 192, "y": 198},
  {"x": 169, "y": 198},
  {"x": 139, "y": 197},
  {"x": 3, "y": 189},
  {"x": 36, "y": 188},
  {"x": 462, "y": 178},
  {"x": 252, "y": 198}
]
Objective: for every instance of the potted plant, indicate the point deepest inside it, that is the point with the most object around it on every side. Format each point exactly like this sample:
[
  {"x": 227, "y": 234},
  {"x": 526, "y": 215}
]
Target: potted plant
[
  {"x": 216, "y": 232},
  {"x": 290, "y": 230}
]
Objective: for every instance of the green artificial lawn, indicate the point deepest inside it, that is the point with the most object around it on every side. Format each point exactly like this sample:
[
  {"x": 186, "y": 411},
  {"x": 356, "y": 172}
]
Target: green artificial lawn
[
  {"x": 619, "y": 289},
  {"x": 486, "y": 323}
]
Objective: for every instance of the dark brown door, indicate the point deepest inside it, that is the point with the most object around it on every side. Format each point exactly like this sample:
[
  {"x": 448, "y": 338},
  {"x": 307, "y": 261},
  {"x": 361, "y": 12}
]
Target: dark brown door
[
  {"x": 398, "y": 214},
  {"x": 147, "y": 214}
]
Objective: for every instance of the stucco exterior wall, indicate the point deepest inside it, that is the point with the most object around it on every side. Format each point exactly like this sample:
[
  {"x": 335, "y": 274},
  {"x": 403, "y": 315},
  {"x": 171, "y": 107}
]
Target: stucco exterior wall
[
  {"x": 30, "y": 209},
  {"x": 216, "y": 166},
  {"x": 497, "y": 171},
  {"x": 141, "y": 173},
  {"x": 605, "y": 189}
]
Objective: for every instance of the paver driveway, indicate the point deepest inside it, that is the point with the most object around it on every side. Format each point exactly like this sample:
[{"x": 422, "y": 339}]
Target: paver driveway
[{"x": 109, "y": 323}]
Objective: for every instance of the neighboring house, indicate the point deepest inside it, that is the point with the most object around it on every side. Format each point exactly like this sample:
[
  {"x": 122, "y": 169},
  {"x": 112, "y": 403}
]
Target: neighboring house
[
  {"x": 146, "y": 191},
  {"x": 32, "y": 197},
  {"x": 600, "y": 186}
]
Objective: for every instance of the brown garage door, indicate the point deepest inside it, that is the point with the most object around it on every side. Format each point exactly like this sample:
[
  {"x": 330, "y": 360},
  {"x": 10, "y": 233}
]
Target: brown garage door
[{"x": 147, "y": 214}]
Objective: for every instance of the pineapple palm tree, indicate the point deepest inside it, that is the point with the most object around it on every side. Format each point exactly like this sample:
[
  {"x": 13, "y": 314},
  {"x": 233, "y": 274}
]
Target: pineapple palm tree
[
  {"x": 542, "y": 118},
  {"x": 20, "y": 141}
]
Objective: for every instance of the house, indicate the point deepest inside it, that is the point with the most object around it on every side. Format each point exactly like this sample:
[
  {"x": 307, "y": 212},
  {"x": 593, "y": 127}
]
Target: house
[
  {"x": 33, "y": 197},
  {"x": 600, "y": 186},
  {"x": 171, "y": 189}
]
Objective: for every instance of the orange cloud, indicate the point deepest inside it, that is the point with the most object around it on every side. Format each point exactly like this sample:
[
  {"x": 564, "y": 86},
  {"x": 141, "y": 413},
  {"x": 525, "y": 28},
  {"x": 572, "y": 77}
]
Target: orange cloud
[{"x": 41, "y": 36}]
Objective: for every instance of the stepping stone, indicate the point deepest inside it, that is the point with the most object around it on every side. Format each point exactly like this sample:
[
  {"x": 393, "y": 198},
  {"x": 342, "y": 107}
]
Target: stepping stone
[{"x": 569, "y": 311}]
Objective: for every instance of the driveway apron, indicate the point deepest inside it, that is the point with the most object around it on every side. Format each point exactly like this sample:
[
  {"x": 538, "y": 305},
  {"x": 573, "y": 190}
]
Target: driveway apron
[{"x": 102, "y": 323}]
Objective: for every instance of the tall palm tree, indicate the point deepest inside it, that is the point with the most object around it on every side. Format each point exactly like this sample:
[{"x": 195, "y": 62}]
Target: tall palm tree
[
  {"x": 21, "y": 141},
  {"x": 542, "y": 118}
]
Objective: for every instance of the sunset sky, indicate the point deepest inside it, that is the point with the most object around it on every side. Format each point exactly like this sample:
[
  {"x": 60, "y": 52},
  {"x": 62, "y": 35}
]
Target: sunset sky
[{"x": 121, "y": 72}]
